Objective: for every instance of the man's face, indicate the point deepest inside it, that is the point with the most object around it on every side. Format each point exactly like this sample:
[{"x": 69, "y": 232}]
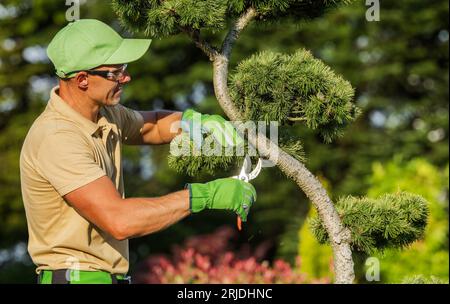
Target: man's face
[{"x": 107, "y": 91}]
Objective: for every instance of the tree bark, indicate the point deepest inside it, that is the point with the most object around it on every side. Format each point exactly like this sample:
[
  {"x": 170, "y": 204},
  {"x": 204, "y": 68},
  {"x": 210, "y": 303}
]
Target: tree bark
[{"x": 338, "y": 234}]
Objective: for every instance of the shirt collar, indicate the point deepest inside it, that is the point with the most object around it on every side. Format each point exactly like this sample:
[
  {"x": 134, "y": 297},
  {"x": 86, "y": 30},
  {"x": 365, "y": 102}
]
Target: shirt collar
[{"x": 58, "y": 104}]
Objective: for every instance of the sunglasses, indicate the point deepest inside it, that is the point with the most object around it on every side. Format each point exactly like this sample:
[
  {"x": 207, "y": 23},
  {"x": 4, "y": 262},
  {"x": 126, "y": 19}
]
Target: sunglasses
[{"x": 115, "y": 75}]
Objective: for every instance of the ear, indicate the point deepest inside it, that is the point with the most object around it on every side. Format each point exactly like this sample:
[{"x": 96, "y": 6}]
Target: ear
[{"x": 82, "y": 80}]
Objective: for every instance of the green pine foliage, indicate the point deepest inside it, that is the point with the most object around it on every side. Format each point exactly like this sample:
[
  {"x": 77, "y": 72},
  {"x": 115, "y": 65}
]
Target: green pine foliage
[
  {"x": 289, "y": 142},
  {"x": 193, "y": 165},
  {"x": 391, "y": 221},
  {"x": 159, "y": 18},
  {"x": 163, "y": 18},
  {"x": 297, "y": 9},
  {"x": 295, "y": 88},
  {"x": 193, "y": 160}
]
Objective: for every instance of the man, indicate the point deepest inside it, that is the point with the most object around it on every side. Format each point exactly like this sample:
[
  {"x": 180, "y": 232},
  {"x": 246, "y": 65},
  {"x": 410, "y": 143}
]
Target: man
[{"x": 79, "y": 220}]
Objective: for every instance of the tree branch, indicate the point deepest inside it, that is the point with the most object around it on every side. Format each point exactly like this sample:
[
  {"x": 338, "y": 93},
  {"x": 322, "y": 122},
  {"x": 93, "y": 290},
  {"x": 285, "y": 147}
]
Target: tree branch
[
  {"x": 234, "y": 32},
  {"x": 209, "y": 50},
  {"x": 340, "y": 236}
]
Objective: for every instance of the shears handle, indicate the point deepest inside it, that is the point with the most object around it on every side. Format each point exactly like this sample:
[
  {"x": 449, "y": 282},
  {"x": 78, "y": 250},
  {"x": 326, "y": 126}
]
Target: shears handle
[
  {"x": 239, "y": 219},
  {"x": 239, "y": 223}
]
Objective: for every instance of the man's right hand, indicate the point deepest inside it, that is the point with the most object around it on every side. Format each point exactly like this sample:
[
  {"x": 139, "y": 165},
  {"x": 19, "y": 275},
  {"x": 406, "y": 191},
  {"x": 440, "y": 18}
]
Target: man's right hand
[{"x": 225, "y": 193}]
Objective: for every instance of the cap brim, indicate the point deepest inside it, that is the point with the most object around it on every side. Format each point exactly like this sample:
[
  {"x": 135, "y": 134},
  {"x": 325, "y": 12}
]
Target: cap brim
[{"x": 129, "y": 50}]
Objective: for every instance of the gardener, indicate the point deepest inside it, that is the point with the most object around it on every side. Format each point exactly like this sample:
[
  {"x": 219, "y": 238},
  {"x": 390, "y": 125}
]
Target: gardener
[{"x": 79, "y": 220}]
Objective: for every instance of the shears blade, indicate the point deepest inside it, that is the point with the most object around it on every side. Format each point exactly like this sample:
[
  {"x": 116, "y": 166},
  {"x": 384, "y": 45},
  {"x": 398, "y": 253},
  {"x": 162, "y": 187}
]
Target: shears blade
[{"x": 246, "y": 175}]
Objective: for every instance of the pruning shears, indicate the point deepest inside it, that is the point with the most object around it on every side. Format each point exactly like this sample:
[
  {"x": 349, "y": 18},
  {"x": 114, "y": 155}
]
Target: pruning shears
[{"x": 247, "y": 175}]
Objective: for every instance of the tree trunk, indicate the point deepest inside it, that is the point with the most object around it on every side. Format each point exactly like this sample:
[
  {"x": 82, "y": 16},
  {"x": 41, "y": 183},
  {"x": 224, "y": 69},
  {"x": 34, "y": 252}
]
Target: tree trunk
[{"x": 338, "y": 234}]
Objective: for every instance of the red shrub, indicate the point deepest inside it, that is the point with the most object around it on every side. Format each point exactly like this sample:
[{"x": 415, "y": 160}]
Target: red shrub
[{"x": 209, "y": 259}]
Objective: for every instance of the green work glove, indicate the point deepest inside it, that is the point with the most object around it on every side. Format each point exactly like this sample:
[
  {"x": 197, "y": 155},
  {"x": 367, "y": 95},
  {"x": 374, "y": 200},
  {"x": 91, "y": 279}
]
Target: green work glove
[
  {"x": 222, "y": 130},
  {"x": 225, "y": 193}
]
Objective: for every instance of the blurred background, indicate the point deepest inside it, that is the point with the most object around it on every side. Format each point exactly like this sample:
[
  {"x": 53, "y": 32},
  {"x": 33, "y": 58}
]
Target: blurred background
[{"x": 399, "y": 68}]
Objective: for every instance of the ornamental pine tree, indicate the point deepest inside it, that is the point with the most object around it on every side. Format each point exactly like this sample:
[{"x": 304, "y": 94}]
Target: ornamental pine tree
[{"x": 290, "y": 89}]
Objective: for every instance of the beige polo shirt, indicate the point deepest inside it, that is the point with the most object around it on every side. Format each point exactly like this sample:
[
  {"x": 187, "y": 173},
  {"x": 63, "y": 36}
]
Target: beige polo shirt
[{"x": 62, "y": 152}]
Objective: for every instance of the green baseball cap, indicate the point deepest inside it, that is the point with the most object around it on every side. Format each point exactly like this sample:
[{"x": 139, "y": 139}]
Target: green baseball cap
[{"x": 88, "y": 43}]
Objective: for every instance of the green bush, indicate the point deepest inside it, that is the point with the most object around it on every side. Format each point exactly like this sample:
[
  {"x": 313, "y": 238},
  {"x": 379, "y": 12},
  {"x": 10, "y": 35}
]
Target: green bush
[
  {"x": 316, "y": 259},
  {"x": 428, "y": 257}
]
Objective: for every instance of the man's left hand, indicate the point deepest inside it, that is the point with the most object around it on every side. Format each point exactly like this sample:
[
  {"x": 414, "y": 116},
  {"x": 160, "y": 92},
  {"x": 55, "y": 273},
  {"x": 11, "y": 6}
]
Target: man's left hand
[{"x": 222, "y": 130}]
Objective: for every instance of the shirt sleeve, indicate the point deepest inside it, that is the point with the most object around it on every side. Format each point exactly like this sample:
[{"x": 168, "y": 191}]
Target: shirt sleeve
[
  {"x": 67, "y": 161},
  {"x": 131, "y": 123}
]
